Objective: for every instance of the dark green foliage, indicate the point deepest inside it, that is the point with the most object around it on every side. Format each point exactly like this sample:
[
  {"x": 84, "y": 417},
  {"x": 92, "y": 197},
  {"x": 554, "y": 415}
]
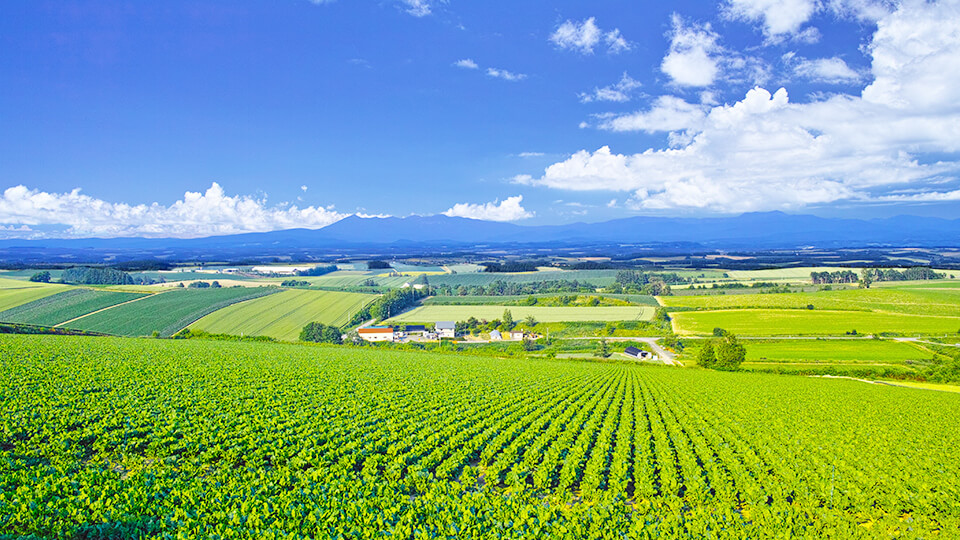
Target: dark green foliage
[
  {"x": 730, "y": 352},
  {"x": 508, "y": 319},
  {"x": 513, "y": 266},
  {"x": 86, "y": 275},
  {"x": 294, "y": 283},
  {"x": 41, "y": 277},
  {"x": 320, "y": 333},
  {"x": 707, "y": 357},
  {"x": 317, "y": 271},
  {"x": 602, "y": 350},
  {"x": 719, "y": 332},
  {"x": 215, "y": 285},
  {"x": 378, "y": 265},
  {"x": 199, "y": 285}
]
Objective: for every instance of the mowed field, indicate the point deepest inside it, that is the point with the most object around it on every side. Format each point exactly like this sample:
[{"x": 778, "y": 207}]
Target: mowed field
[
  {"x": 14, "y": 292},
  {"x": 166, "y": 313},
  {"x": 110, "y": 438},
  {"x": 825, "y": 351},
  {"x": 284, "y": 314},
  {"x": 433, "y": 313},
  {"x": 64, "y": 306},
  {"x": 641, "y": 299}
]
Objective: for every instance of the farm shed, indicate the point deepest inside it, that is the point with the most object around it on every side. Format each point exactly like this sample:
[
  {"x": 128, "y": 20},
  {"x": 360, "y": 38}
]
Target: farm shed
[
  {"x": 495, "y": 335},
  {"x": 446, "y": 329},
  {"x": 376, "y": 333},
  {"x": 516, "y": 336},
  {"x": 636, "y": 353},
  {"x": 415, "y": 329}
]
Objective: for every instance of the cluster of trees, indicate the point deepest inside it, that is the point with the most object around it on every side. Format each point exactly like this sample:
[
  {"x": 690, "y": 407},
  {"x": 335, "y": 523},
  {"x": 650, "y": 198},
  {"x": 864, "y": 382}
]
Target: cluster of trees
[
  {"x": 87, "y": 275},
  {"x": 317, "y": 270},
  {"x": 204, "y": 285},
  {"x": 891, "y": 274},
  {"x": 638, "y": 282},
  {"x": 504, "y": 288},
  {"x": 506, "y": 323},
  {"x": 294, "y": 283},
  {"x": 824, "y": 278},
  {"x": 41, "y": 277},
  {"x": 513, "y": 266},
  {"x": 321, "y": 333},
  {"x": 591, "y": 265},
  {"x": 724, "y": 352},
  {"x": 390, "y": 304},
  {"x": 378, "y": 265}
]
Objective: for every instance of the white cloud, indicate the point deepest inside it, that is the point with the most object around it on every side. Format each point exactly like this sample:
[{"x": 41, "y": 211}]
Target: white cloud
[
  {"x": 303, "y": 188},
  {"x": 509, "y": 209},
  {"x": 826, "y": 70},
  {"x": 584, "y": 36},
  {"x": 420, "y": 8},
  {"x": 779, "y": 17},
  {"x": 619, "y": 91},
  {"x": 505, "y": 75},
  {"x": 693, "y": 58},
  {"x": 197, "y": 214},
  {"x": 669, "y": 113},
  {"x": 897, "y": 140},
  {"x": 466, "y": 63},
  {"x": 530, "y": 154}
]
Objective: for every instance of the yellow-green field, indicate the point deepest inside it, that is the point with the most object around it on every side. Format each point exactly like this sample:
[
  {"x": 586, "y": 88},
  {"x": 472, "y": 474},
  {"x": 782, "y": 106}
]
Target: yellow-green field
[
  {"x": 801, "y": 322},
  {"x": 14, "y": 292},
  {"x": 283, "y": 315},
  {"x": 435, "y": 313}
]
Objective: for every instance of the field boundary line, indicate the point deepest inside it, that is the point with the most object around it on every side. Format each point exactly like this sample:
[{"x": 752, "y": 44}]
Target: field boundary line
[{"x": 148, "y": 295}]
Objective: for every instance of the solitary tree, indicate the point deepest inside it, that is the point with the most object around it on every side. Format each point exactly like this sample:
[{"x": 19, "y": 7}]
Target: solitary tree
[
  {"x": 603, "y": 351},
  {"x": 507, "y": 319},
  {"x": 730, "y": 353},
  {"x": 530, "y": 321},
  {"x": 41, "y": 277},
  {"x": 866, "y": 278}
]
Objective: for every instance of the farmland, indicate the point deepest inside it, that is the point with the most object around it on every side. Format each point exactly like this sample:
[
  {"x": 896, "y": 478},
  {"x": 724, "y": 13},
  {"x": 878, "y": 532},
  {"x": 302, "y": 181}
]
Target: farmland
[
  {"x": 155, "y": 438},
  {"x": 283, "y": 315},
  {"x": 433, "y": 313},
  {"x": 167, "y": 312},
  {"x": 64, "y": 306},
  {"x": 14, "y": 293},
  {"x": 786, "y": 322},
  {"x": 641, "y": 299}
]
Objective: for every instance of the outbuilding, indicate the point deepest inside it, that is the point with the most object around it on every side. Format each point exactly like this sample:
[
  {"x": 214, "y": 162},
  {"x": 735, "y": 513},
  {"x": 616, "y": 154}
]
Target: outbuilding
[
  {"x": 636, "y": 353},
  {"x": 376, "y": 333},
  {"x": 446, "y": 329},
  {"x": 495, "y": 335}
]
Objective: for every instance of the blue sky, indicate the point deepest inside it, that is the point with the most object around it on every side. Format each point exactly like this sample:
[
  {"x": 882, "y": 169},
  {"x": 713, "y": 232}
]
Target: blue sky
[{"x": 194, "y": 118}]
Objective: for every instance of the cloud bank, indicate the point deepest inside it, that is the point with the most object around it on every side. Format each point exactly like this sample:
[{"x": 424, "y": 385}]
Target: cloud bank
[{"x": 508, "y": 209}]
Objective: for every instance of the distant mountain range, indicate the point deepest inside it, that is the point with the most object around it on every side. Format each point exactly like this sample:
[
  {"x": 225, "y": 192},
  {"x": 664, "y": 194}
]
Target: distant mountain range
[{"x": 767, "y": 230}]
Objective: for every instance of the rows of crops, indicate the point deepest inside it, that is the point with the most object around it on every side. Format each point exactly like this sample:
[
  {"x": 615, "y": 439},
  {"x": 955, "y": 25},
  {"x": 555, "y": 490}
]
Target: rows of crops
[
  {"x": 165, "y": 313},
  {"x": 283, "y": 315},
  {"x": 156, "y": 439},
  {"x": 62, "y": 307}
]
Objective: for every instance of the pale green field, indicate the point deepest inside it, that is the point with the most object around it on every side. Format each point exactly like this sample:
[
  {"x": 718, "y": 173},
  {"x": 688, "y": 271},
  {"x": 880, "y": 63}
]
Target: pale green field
[
  {"x": 865, "y": 351},
  {"x": 353, "y": 278},
  {"x": 14, "y": 292},
  {"x": 944, "y": 302},
  {"x": 284, "y": 314},
  {"x": 782, "y": 274},
  {"x": 800, "y": 322},
  {"x": 426, "y": 314}
]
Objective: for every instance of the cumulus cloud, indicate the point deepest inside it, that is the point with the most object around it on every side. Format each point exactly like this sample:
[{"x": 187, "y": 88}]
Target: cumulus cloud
[
  {"x": 197, "y": 214},
  {"x": 584, "y": 36},
  {"x": 765, "y": 152},
  {"x": 694, "y": 55},
  {"x": 825, "y": 70},
  {"x": 619, "y": 91},
  {"x": 505, "y": 75},
  {"x": 508, "y": 209},
  {"x": 778, "y": 17},
  {"x": 466, "y": 63}
]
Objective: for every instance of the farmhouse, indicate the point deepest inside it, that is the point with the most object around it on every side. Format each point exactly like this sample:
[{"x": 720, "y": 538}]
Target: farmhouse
[
  {"x": 637, "y": 353},
  {"x": 516, "y": 335},
  {"x": 446, "y": 329},
  {"x": 376, "y": 333}
]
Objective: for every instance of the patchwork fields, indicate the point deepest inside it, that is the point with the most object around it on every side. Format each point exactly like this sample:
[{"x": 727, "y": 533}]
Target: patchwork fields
[
  {"x": 64, "y": 306},
  {"x": 800, "y": 322},
  {"x": 194, "y": 438},
  {"x": 433, "y": 313},
  {"x": 166, "y": 313},
  {"x": 284, "y": 314}
]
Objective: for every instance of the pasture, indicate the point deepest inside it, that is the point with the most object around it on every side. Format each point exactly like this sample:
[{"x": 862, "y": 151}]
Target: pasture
[
  {"x": 166, "y": 313},
  {"x": 15, "y": 293},
  {"x": 641, "y": 299},
  {"x": 284, "y": 314},
  {"x": 433, "y": 313},
  {"x": 802, "y": 322},
  {"x": 64, "y": 306},
  {"x": 112, "y": 438}
]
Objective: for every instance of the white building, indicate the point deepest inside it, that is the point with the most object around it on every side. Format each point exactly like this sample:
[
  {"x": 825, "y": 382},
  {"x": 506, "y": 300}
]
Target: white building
[
  {"x": 495, "y": 335},
  {"x": 376, "y": 333},
  {"x": 446, "y": 329}
]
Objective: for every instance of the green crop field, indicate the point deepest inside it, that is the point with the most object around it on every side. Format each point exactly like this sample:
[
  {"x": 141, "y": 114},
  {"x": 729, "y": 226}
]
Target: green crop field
[
  {"x": 427, "y": 314},
  {"x": 913, "y": 301},
  {"x": 801, "y": 322},
  {"x": 598, "y": 278},
  {"x": 795, "y": 275},
  {"x": 14, "y": 292},
  {"x": 284, "y": 314},
  {"x": 167, "y": 312},
  {"x": 826, "y": 351},
  {"x": 62, "y": 307},
  {"x": 138, "y": 438}
]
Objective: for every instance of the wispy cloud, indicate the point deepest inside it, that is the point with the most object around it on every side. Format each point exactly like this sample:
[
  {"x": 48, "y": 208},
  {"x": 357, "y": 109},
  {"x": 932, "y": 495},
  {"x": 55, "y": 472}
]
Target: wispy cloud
[
  {"x": 466, "y": 63},
  {"x": 585, "y": 35},
  {"x": 505, "y": 75},
  {"x": 619, "y": 91}
]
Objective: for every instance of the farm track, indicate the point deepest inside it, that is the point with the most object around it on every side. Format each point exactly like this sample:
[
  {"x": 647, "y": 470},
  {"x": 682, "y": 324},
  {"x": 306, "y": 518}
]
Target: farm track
[{"x": 104, "y": 309}]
